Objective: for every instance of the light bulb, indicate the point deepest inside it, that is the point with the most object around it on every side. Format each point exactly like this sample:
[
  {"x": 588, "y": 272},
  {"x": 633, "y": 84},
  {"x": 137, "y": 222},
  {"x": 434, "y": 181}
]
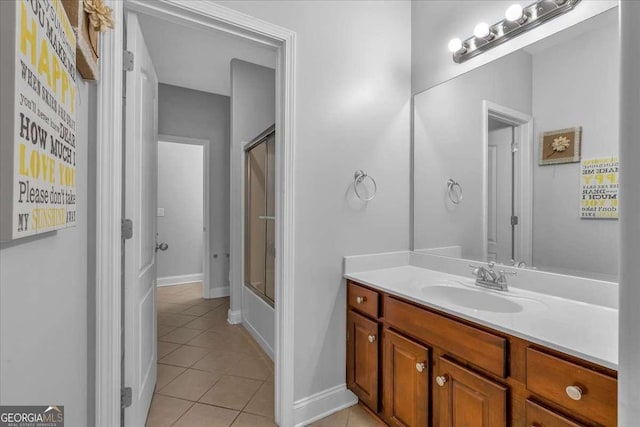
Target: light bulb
[
  {"x": 455, "y": 45},
  {"x": 514, "y": 13},
  {"x": 481, "y": 30}
]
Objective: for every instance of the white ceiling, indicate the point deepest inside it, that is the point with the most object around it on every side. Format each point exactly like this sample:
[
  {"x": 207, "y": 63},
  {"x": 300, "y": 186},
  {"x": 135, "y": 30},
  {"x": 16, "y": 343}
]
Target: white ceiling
[{"x": 197, "y": 59}]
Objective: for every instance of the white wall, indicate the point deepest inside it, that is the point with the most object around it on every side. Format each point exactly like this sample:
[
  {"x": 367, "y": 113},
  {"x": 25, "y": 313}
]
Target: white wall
[
  {"x": 194, "y": 114},
  {"x": 253, "y": 110},
  {"x": 435, "y": 22},
  {"x": 253, "y": 100},
  {"x": 585, "y": 93},
  {"x": 448, "y": 144},
  {"x": 43, "y": 301},
  {"x": 629, "y": 368},
  {"x": 352, "y": 112},
  {"x": 180, "y": 194}
]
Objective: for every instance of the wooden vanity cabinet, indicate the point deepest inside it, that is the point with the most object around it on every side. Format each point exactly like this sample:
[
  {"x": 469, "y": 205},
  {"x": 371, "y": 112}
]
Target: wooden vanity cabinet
[
  {"x": 466, "y": 398},
  {"x": 362, "y": 358},
  {"x": 433, "y": 369},
  {"x": 539, "y": 416},
  {"x": 579, "y": 389},
  {"x": 406, "y": 370}
]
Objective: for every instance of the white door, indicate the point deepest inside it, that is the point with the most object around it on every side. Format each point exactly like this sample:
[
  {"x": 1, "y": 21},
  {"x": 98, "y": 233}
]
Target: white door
[
  {"x": 140, "y": 190},
  {"x": 500, "y": 235}
]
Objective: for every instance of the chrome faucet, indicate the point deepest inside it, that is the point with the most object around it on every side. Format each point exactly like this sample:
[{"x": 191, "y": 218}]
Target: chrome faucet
[{"x": 489, "y": 278}]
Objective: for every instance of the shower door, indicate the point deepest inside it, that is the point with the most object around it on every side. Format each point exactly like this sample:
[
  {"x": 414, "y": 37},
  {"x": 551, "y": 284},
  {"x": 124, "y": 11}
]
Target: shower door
[{"x": 259, "y": 247}]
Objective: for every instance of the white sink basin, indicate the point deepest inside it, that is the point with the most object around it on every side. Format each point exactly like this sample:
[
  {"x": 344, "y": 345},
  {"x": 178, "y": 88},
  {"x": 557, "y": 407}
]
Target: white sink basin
[{"x": 478, "y": 299}]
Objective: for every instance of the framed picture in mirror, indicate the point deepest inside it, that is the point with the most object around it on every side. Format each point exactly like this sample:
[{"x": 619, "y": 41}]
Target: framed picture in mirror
[{"x": 560, "y": 146}]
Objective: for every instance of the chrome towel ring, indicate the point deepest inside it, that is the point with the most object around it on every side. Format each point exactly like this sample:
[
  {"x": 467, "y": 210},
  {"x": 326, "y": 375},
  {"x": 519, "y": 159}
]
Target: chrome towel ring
[
  {"x": 454, "y": 191},
  {"x": 358, "y": 177}
]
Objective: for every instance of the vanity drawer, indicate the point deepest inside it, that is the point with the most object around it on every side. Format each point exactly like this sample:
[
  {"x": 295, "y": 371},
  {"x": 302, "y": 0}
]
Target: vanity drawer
[
  {"x": 480, "y": 348},
  {"x": 594, "y": 394},
  {"x": 539, "y": 416},
  {"x": 363, "y": 300}
]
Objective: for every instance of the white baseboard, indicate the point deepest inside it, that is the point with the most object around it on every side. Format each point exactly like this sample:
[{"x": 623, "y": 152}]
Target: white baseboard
[
  {"x": 179, "y": 280},
  {"x": 322, "y": 404},
  {"x": 234, "y": 317},
  {"x": 217, "y": 292},
  {"x": 259, "y": 339}
]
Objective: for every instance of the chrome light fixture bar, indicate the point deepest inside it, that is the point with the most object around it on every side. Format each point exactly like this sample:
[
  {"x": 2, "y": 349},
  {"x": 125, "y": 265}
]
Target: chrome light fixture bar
[{"x": 517, "y": 21}]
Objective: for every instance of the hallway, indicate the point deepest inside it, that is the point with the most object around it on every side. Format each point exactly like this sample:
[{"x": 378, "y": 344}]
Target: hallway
[
  {"x": 210, "y": 373},
  {"x": 213, "y": 374}
]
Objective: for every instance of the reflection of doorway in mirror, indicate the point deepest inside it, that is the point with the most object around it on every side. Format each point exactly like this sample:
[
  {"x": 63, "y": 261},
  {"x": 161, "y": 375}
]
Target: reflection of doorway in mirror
[
  {"x": 501, "y": 206},
  {"x": 507, "y": 185}
]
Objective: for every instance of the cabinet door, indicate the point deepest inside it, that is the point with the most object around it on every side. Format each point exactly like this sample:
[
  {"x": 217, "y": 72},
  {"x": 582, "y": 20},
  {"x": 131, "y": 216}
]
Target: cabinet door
[
  {"x": 406, "y": 381},
  {"x": 362, "y": 358},
  {"x": 466, "y": 399}
]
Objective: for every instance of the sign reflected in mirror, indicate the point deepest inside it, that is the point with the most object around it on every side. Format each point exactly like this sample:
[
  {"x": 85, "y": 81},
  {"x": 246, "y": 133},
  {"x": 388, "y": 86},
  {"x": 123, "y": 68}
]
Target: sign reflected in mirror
[{"x": 489, "y": 130}]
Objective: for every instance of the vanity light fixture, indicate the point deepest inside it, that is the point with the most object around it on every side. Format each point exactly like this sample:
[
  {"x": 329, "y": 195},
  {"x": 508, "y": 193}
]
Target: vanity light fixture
[
  {"x": 515, "y": 13},
  {"x": 517, "y": 20},
  {"x": 482, "y": 31},
  {"x": 455, "y": 45}
]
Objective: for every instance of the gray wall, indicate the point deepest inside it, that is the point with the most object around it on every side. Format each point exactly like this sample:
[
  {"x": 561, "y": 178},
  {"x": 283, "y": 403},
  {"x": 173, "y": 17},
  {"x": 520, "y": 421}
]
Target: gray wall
[
  {"x": 585, "y": 93},
  {"x": 194, "y": 114},
  {"x": 44, "y": 294},
  {"x": 180, "y": 194},
  {"x": 448, "y": 144},
  {"x": 253, "y": 109},
  {"x": 253, "y": 100},
  {"x": 352, "y": 110}
]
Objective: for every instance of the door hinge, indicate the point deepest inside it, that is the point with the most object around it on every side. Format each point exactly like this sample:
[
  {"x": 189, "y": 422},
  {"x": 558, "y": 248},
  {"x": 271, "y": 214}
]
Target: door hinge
[
  {"x": 127, "y": 60},
  {"x": 126, "y": 397},
  {"x": 126, "y": 229},
  {"x": 514, "y": 220},
  {"x": 514, "y": 147}
]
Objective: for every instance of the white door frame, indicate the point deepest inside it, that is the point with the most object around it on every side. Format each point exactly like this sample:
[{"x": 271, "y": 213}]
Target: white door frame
[
  {"x": 206, "y": 176},
  {"x": 524, "y": 179},
  {"x": 213, "y": 17}
]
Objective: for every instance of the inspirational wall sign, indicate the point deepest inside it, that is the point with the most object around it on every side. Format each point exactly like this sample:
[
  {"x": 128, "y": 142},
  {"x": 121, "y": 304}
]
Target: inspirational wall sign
[
  {"x": 599, "y": 188},
  {"x": 38, "y": 127}
]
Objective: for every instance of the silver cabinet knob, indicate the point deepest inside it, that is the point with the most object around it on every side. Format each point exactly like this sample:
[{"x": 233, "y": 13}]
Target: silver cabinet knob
[
  {"x": 441, "y": 380},
  {"x": 574, "y": 392},
  {"x": 420, "y": 366},
  {"x": 372, "y": 338},
  {"x": 360, "y": 300}
]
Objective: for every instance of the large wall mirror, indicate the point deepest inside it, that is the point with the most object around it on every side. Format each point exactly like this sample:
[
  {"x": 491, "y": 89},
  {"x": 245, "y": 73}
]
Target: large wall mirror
[{"x": 512, "y": 158}]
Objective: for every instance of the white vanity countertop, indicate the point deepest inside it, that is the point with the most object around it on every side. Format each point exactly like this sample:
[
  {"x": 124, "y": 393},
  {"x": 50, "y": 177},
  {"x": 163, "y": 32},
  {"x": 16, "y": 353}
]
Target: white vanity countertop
[{"x": 587, "y": 331}]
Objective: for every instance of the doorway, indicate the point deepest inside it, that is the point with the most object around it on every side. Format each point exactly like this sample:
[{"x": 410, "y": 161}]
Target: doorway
[
  {"x": 502, "y": 214},
  {"x": 110, "y": 160},
  {"x": 231, "y": 99},
  {"x": 183, "y": 212},
  {"x": 507, "y": 185}
]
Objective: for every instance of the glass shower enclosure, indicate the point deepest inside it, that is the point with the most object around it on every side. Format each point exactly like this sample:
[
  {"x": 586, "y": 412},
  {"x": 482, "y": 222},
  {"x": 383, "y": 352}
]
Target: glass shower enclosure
[{"x": 259, "y": 245}]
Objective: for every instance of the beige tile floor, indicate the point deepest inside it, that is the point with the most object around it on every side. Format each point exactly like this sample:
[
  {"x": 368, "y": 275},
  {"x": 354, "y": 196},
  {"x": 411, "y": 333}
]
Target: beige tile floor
[{"x": 213, "y": 374}]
